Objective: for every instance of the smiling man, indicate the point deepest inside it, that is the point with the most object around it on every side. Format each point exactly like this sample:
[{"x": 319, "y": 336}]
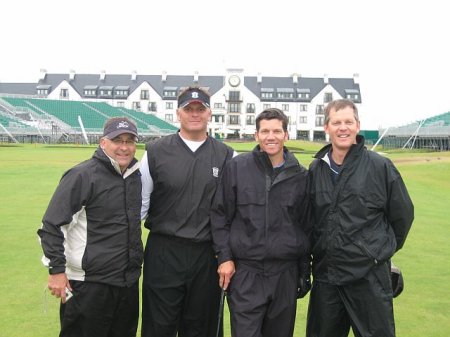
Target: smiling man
[
  {"x": 180, "y": 173},
  {"x": 91, "y": 238},
  {"x": 363, "y": 214},
  {"x": 260, "y": 225}
]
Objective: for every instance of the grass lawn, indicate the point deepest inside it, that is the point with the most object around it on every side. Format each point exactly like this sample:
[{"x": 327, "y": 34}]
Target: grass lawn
[{"x": 30, "y": 173}]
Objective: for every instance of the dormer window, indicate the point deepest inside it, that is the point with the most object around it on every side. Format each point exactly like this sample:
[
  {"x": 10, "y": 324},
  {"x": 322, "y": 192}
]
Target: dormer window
[
  {"x": 352, "y": 94},
  {"x": 170, "y": 92},
  {"x": 285, "y": 93},
  {"x": 106, "y": 91},
  {"x": 121, "y": 91},
  {"x": 43, "y": 90},
  {"x": 90, "y": 90},
  {"x": 303, "y": 94},
  {"x": 267, "y": 93}
]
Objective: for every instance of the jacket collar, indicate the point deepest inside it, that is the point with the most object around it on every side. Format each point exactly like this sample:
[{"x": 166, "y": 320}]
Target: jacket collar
[
  {"x": 113, "y": 165},
  {"x": 263, "y": 158},
  {"x": 354, "y": 150}
]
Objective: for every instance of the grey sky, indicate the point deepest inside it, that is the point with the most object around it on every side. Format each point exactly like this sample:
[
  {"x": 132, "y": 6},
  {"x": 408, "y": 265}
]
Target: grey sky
[{"x": 398, "y": 48}]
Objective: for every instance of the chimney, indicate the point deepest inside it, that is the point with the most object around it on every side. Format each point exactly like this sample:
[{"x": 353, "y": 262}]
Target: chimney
[
  {"x": 164, "y": 76},
  {"x": 72, "y": 75},
  {"x": 259, "y": 78},
  {"x": 325, "y": 78},
  {"x": 196, "y": 77},
  {"x": 356, "y": 78},
  {"x": 133, "y": 75},
  {"x": 102, "y": 75},
  {"x": 42, "y": 74},
  {"x": 295, "y": 77}
]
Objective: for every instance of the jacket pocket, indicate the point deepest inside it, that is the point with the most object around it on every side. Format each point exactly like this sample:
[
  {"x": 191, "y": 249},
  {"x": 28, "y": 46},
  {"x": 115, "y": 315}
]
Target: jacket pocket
[{"x": 366, "y": 251}]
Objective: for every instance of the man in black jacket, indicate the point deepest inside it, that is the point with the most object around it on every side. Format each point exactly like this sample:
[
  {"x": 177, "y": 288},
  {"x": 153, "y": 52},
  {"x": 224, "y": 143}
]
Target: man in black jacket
[
  {"x": 180, "y": 173},
  {"x": 91, "y": 238},
  {"x": 261, "y": 227},
  {"x": 363, "y": 214}
]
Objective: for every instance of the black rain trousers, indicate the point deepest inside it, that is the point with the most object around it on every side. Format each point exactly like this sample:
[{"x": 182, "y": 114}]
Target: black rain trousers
[{"x": 365, "y": 305}]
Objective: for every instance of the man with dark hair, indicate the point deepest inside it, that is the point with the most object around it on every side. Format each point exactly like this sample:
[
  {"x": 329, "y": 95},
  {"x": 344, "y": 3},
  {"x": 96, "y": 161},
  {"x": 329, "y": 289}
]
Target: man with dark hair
[
  {"x": 180, "y": 173},
  {"x": 363, "y": 214},
  {"x": 261, "y": 227},
  {"x": 91, "y": 238}
]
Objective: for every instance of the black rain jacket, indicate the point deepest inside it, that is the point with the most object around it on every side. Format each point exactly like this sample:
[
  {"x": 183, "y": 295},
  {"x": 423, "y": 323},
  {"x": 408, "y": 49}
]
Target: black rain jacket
[
  {"x": 92, "y": 229},
  {"x": 256, "y": 219},
  {"x": 362, "y": 220}
]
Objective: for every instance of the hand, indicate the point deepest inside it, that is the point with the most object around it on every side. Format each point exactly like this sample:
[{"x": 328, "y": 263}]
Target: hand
[
  {"x": 57, "y": 284},
  {"x": 303, "y": 285},
  {"x": 226, "y": 271}
]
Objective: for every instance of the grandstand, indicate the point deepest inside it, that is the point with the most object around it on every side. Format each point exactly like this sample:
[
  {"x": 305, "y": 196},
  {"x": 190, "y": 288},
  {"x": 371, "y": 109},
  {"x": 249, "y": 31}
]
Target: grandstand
[
  {"x": 27, "y": 119},
  {"x": 431, "y": 133}
]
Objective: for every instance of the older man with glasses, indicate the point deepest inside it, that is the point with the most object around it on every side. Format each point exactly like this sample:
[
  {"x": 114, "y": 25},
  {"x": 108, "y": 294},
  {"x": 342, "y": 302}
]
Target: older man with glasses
[{"x": 91, "y": 238}]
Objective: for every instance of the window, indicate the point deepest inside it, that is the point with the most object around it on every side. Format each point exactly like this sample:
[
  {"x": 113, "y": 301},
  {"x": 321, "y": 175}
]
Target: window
[
  {"x": 120, "y": 104},
  {"x": 234, "y": 107},
  {"x": 303, "y": 107},
  {"x": 250, "y": 120},
  {"x": 353, "y": 97},
  {"x": 234, "y": 120},
  {"x": 319, "y": 109},
  {"x": 43, "y": 90},
  {"x": 320, "y": 120},
  {"x": 218, "y": 106},
  {"x": 106, "y": 91},
  {"x": 64, "y": 93},
  {"x": 285, "y": 107},
  {"x": 217, "y": 118},
  {"x": 144, "y": 94},
  {"x": 328, "y": 97},
  {"x": 267, "y": 95},
  {"x": 234, "y": 96},
  {"x": 285, "y": 95},
  {"x": 170, "y": 93},
  {"x": 352, "y": 94},
  {"x": 251, "y": 108},
  {"x": 121, "y": 93},
  {"x": 169, "y": 105},
  {"x": 303, "y": 119},
  {"x": 266, "y": 106},
  {"x": 136, "y": 106},
  {"x": 90, "y": 92},
  {"x": 303, "y": 95},
  {"x": 152, "y": 106},
  {"x": 168, "y": 118}
]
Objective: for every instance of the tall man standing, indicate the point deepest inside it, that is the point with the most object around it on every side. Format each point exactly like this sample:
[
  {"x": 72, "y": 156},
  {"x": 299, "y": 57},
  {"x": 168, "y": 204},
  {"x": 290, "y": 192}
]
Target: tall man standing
[
  {"x": 91, "y": 238},
  {"x": 363, "y": 214},
  {"x": 261, "y": 228},
  {"x": 180, "y": 173}
]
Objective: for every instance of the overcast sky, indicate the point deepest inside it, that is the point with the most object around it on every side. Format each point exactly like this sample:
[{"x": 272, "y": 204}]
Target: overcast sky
[{"x": 398, "y": 48}]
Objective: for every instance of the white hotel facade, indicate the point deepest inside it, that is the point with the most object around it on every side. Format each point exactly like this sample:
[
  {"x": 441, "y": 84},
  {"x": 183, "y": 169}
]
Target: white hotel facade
[{"x": 236, "y": 98}]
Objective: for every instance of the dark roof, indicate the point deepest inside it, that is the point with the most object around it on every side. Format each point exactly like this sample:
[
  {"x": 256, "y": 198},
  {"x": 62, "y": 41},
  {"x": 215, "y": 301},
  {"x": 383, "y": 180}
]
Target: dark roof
[
  {"x": 18, "y": 88},
  {"x": 304, "y": 84},
  {"x": 81, "y": 81},
  {"x": 213, "y": 83}
]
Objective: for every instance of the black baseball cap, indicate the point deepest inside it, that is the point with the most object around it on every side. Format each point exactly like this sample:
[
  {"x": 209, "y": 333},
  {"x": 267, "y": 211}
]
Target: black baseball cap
[
  {"x": 192, "y": 95},
  {"x": 117, "y": 126}
]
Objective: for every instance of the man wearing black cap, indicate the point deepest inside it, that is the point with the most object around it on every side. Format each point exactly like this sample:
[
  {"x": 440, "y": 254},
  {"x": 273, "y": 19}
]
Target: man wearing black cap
[
  {"x": 180, "y": 173},
  {"x": 91, "y": 238}
]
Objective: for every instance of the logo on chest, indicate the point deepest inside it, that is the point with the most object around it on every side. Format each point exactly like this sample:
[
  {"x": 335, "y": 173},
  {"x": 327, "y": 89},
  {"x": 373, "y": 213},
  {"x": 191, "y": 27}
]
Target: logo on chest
[{"x": 215, "y": 172}]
